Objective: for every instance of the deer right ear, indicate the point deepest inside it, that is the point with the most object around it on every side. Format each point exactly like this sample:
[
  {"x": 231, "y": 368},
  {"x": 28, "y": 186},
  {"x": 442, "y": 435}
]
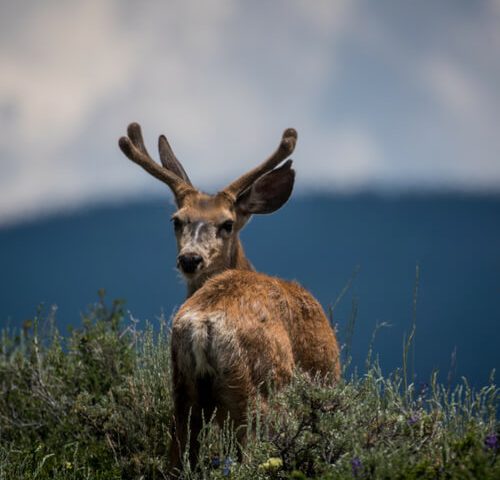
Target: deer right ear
[{"x": 269, "y": 192}]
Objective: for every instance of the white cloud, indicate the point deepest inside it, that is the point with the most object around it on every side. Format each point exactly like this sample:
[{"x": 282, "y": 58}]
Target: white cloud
[
  {"x": 222, "y": 79},
  {"x": 452, "y": 87},
  {"x": 72, "y": 55},
  {"x": 349, "y": 158},
  {"x": 76, "y": 73},
  {"x": 67, "y": 59}
]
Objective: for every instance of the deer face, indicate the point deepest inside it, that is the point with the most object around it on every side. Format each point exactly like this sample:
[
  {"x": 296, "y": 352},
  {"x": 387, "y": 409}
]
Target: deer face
[
  {"x": 205, "y": 229},
  {"x": 206, "y": 226}
]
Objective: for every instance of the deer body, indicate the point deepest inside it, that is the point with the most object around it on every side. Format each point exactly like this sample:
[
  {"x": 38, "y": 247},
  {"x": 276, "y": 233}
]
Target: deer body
[
  {"x": 252, "y": 324},
  {"x": 238, "y": 329}
]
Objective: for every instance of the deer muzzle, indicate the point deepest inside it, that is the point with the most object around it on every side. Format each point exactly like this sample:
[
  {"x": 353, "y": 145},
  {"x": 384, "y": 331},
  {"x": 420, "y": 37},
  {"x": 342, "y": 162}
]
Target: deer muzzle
[{"x": 190, "y": 262}]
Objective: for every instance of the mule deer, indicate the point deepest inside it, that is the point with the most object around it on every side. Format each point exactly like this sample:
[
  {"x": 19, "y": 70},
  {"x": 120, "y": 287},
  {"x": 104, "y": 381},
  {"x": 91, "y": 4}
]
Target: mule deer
[{"x": 238, "y": 328}]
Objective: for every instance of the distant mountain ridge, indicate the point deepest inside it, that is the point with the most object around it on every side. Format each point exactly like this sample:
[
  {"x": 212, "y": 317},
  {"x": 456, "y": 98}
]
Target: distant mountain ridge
[{"x": 129, "y": 250}]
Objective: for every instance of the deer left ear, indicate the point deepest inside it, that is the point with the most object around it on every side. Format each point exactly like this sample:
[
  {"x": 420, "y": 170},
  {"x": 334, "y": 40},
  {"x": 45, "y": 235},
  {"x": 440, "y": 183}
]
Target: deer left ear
[{"x": 269, "y": 192}]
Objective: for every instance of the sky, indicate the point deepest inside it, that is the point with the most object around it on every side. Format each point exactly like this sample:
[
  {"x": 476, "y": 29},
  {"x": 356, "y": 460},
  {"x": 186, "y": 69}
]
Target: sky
[{"x": 385, "y": 95}]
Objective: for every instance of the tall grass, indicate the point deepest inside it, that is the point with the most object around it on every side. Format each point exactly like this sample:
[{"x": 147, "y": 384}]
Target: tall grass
[{"x": 98, "y": 404}]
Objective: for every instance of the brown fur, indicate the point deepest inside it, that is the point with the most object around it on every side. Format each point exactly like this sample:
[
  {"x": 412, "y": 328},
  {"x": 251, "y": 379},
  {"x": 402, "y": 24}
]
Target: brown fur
[{"x": 238, "y": 329}]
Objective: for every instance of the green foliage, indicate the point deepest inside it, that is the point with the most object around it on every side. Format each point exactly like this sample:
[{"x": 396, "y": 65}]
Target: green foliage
[
  {"x": 98, "y": 404},
  {"x": 94, "y": 405}
]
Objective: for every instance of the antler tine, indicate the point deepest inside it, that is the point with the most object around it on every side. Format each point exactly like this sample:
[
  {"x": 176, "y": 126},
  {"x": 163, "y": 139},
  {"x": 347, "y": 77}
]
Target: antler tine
[
  {"x": 134, "y": 132},
  {"x": 169, "y": 160},
  {"x": 133, "y": 147},
  {"x": 285, "y": 149}
]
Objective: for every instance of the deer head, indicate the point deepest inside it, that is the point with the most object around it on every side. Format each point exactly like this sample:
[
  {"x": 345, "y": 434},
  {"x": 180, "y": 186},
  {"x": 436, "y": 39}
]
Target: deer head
[{"x": 207, "y": 226}]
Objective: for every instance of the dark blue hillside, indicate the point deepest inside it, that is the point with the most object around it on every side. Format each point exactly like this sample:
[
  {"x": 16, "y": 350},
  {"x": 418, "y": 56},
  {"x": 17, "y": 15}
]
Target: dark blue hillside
[{"x": 129, "y": 250}]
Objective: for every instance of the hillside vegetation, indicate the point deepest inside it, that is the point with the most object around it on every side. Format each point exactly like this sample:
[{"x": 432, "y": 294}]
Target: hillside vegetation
[{"x": 97, "y": 404}]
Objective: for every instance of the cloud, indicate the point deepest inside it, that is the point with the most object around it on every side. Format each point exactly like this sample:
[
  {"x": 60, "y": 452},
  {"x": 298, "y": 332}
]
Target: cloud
[
  {"x": 222, "y": 79},
  {"x": 76, "y": 73},
  {"x": 69, "y": 57},
  {"x": 462, "y": 77},
  {"x": 453, "y": 88},
  {"x": 349, "y": 159},
  {"x": 59, "y": 64}
]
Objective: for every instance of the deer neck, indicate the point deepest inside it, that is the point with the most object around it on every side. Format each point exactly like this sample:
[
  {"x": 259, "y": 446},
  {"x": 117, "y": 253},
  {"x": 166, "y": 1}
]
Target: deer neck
[{"x": 237, "y": 261}]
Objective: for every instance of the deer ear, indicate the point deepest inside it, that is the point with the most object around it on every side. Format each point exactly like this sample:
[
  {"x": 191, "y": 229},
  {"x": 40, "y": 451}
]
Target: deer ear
[{"x": 269, "y": 192}]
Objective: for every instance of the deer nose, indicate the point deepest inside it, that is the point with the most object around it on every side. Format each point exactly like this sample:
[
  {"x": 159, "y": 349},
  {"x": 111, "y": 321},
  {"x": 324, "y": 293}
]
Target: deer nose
[{"x": 189, "y": 262}]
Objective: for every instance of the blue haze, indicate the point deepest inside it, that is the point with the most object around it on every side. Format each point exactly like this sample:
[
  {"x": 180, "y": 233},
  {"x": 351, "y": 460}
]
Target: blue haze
[{"x": 318, "y": 240}]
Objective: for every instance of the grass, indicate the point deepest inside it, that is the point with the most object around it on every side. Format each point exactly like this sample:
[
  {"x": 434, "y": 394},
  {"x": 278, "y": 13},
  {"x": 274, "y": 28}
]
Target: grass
[{"x": 97, "y": 404}]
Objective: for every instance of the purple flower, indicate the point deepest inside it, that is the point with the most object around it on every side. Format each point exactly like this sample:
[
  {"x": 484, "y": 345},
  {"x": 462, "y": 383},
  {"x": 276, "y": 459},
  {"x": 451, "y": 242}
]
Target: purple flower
[
  {"x": 423, "y": 387},
  {"x": 356, "y": 466},
  {"x": 227, "y": 466},
  {"x": 215, "y": 462},
  {"x": 491, "y": 441},
  {"x": 414, "y": 418}
]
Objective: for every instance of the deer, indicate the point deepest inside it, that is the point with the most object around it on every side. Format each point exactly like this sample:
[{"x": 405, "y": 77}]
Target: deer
[{"x": 238, "y": 329}]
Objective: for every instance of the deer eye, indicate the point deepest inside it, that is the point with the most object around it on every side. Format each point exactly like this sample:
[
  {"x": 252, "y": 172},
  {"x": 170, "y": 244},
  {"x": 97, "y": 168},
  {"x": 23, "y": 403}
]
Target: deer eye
[
  {"x": 177, "y": 224},
  {"x": 227, "y": 226}
]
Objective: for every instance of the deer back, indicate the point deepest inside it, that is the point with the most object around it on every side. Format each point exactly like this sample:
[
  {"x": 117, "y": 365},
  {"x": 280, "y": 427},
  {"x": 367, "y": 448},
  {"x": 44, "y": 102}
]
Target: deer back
[{"x": 245, "y": 327}]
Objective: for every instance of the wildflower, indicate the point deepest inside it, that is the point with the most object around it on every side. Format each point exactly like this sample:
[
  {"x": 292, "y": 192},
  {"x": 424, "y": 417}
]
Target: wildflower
[
  {"x": 356, "y": 465},
  {"x": 423, "y": 388},
  {"x": 491, "y": 441},
  {"x": 273, "y": 463},
  {"x": 227, "y": 466},
  {"x": 68, "y": 465},
  {"x": 215, "y": 462},
  {"x": 414, "y": 418}
]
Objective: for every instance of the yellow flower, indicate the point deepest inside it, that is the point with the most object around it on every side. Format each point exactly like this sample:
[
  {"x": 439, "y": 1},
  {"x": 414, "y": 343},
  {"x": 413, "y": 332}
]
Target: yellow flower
[
  {"x": 273, "y": 463},
  {"x": 68, "y": 465}
]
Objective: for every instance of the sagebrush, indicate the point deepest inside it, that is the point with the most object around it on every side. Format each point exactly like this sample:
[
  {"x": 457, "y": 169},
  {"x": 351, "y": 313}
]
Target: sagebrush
[{"x": 97, "y": 404}]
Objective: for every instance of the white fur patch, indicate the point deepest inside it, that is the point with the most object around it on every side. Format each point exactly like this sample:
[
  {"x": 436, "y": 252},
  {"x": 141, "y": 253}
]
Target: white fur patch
[
  {"x": 205, "y": 331},
  {"x": 196, "y": 235}
]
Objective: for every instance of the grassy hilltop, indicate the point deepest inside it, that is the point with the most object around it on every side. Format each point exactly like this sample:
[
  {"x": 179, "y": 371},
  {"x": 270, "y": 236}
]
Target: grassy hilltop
[{"x": 97, "y": 405}]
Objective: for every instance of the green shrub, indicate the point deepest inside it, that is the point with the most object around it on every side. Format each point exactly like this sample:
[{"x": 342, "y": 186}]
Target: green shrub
[{"x": 98, "y": 404}]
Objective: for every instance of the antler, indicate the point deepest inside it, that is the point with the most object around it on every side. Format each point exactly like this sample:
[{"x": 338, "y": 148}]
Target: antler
[
  {"x": 284, "y": 150},
  {"x": 169, "y": 160},
  {"x": 171, "y": 173}
]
